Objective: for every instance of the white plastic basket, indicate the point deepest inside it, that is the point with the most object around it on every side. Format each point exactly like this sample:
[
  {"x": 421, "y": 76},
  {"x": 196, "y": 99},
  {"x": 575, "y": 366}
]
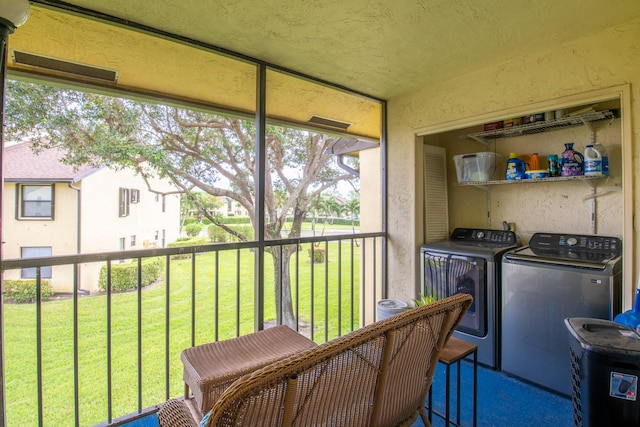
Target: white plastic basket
[{"x": 476, "y": 167}]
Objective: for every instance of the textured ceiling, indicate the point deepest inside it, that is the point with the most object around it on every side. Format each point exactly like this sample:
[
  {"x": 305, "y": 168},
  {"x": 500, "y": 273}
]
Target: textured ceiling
[{"x": 378, "y": 47}]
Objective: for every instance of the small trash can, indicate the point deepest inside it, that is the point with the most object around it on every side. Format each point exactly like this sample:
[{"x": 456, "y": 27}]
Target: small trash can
[
  {"x": 390, "y": 307},
  {"x": 605, "y": 365}
]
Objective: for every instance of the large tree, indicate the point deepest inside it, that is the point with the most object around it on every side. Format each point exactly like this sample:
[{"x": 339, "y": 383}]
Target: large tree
[{"x": 197, "y": 150}]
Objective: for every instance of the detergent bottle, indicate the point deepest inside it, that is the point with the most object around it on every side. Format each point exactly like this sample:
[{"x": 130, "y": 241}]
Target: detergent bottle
[
  {"x": 515, "y": 168},
  {"x": 571, "y": 162},
  {"x": 531, "y": 161},
  {"x": 631, "y": 317},
  {"x": 605, "y": 158},
  {"x": 554, "y": 165},
  {"x": 592, "y": 161}
]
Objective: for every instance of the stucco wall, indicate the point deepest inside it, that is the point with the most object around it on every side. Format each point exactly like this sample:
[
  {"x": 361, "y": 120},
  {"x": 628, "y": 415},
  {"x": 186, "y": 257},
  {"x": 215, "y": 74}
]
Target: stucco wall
[{"x": 606, "y": 59}]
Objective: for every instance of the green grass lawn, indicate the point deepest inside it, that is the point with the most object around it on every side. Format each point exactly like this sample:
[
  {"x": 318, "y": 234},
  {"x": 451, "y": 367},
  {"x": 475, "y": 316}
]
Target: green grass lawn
[{"x": 216, "y": 279}]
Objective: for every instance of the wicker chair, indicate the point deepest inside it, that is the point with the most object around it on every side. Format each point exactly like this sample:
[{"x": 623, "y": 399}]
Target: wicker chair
[{"x": 378, "y": 375}]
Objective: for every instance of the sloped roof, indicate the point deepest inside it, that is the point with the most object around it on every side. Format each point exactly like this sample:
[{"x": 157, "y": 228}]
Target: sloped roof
[{"x": 21, "y": 164}]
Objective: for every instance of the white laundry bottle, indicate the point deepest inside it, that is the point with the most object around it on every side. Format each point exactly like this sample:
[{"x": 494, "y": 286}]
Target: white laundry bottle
[{"x": 592, "y": 161}]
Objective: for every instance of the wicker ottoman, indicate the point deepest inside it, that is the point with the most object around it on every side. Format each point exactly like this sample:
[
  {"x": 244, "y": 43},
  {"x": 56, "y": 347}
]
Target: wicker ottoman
[{"x": 210, "y": 368}]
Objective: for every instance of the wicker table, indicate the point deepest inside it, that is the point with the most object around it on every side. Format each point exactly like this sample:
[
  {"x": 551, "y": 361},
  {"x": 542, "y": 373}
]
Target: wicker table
[{"x": 210, "y": 368}]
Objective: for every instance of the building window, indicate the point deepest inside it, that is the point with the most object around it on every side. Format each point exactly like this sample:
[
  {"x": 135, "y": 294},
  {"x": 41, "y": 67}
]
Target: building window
[
  {"x": 133, "y": 241},
  {"x": 135, "y": 195},
  {"x": 124, "y": 202},
  {"x": 35, "y": 252},
  {"x": 164, "y": 207},
  {"x": 157, "y": 235},
  {"x": 36, "y": 201}
]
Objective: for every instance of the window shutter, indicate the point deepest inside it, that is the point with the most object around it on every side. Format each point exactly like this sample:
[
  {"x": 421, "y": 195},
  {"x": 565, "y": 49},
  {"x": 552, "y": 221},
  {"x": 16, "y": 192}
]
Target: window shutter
[
  {"x": 17, "y": 202},
  {"x": 124, "y": 202},
  {"x": 53, "y": 201},
  {"x": 436, "y": 213}
]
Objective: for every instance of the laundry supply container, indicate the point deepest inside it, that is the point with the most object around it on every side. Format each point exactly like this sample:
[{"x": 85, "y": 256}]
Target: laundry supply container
[
  {"x": 605, "y": 365},
  {"x": 476, "y": 167}
]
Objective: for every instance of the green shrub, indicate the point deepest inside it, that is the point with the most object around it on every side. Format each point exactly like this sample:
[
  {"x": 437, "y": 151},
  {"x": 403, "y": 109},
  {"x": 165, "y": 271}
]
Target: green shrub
[
  {"x": 217, "y": 234},
  {"x": 188, "y": 241},
  {"x": 194, "y": 229},
  {"x": 124, "y": 277},
  {"x": 236, "y": 220},
  {"x": 25, "y": 290},
  {"x": 190, "y": 220},
  {"x": 333, "y": 221},
  {"x": 183, "y": 241},
  {"x": 318, "y": 255}
]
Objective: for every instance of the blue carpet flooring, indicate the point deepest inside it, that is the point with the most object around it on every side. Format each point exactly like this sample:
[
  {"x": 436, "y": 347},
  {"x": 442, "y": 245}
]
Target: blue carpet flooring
[{"x": 502, "y": 401}]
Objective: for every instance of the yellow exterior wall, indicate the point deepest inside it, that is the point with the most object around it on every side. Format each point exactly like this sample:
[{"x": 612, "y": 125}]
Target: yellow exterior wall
[
  {"x": 371, "y": 280},
  {"x": 100, "y": 226},
  {"x": 554, "y": 73},
  {"x": 60, "y": 233}
]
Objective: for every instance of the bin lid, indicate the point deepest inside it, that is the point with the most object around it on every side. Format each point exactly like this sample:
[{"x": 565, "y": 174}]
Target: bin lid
[{"x": 604, "y": 336}]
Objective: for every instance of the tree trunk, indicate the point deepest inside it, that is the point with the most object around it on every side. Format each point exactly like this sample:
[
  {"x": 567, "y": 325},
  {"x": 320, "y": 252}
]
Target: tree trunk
[{"x": 282, "y": 284}]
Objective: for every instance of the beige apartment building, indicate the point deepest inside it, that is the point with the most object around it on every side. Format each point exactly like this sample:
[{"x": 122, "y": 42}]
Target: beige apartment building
[{"x": 53, "y": 209}]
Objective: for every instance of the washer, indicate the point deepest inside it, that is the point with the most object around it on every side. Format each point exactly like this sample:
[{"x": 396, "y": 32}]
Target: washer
[
  {"x": 555, "y": 277},
  {"x": 470, "y": 262}
]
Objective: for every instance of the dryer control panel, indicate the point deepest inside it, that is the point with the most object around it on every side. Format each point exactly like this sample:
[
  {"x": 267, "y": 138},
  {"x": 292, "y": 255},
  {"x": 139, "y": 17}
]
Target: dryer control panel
[{"x": 498, "y": 237}]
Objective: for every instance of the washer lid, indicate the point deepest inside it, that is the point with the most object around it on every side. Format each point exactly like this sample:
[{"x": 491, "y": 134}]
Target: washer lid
[{"x": 590, "y": 260}]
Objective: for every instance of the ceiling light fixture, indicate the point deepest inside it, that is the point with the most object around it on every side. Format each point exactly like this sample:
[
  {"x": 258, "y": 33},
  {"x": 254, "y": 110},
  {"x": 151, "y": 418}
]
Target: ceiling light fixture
[
  {"x": 70, "y": 68},
  {"x": 13, "y": 13},
  {"x": 323, "y": 121}
]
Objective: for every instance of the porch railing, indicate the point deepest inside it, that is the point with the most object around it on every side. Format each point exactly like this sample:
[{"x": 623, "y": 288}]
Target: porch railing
[{"x": 108, "y": 357}]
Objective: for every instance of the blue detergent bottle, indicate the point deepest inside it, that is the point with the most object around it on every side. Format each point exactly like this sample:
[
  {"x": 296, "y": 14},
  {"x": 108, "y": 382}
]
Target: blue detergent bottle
[
  {"x": 605, "y": 158},
  {"x": 515, "y": 168},
  {"x": 631, "y": 317}
]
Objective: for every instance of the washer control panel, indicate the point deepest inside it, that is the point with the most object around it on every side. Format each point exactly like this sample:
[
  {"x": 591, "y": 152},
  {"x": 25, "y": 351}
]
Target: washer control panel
[{"x": 576, "y": 243}]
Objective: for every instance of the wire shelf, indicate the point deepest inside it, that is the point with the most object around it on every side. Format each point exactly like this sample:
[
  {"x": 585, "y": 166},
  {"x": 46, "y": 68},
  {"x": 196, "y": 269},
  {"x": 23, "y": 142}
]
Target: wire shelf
[
  {"x": 538, "y": 127},
  {"x": 532, "y": 181}
]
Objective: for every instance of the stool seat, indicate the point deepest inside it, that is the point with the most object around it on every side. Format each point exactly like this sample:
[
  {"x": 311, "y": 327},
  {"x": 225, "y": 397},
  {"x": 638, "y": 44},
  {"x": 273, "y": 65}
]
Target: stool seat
[
  {"x": 209, "y": 369},
  {"x": 456, "y": 349}
]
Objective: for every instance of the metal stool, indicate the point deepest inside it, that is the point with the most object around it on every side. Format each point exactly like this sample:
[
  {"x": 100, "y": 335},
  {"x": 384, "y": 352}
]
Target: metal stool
[{"x": 453, "y": 352}]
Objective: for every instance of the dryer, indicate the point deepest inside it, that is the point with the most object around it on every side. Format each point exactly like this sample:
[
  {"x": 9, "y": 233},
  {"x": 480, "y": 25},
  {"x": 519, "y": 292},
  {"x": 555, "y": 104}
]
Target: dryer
[{"x": 470, "y": 262}]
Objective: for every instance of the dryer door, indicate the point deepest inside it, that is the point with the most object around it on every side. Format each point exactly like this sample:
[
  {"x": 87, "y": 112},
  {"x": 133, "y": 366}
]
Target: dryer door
[{"x": 448, "y": 274}]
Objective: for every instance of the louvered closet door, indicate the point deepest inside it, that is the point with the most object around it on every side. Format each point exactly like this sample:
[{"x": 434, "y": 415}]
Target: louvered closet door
[{"x": 436, "y": 216}]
